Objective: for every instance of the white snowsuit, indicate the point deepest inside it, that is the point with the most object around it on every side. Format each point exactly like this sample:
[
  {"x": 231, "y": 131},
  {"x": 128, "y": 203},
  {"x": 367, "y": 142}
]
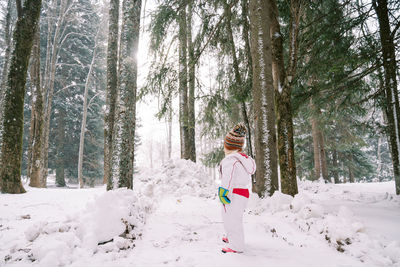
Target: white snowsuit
[{"x": 236, "y": 170}]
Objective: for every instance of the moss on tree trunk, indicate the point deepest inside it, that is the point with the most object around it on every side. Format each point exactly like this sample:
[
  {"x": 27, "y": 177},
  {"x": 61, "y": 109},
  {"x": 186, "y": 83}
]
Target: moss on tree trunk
[{"x": 13, "y": 122}]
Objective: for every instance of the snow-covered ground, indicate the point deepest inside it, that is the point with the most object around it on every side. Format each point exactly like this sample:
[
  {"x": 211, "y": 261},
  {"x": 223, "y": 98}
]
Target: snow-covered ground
[{"x": 172, "y": 218}]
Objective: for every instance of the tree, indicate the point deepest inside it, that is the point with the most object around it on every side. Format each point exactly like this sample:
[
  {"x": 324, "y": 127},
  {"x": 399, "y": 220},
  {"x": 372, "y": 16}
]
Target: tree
[
  {"x": 191, "y": 120},
  {"x": 84, "y": 114},
  {"x": 7, "y": 43},
  {"x": 111, "y": 95},
  {"x": 10, "y": 173},
  {"x": 183, "y": 83},
  {"x": 36, "y": 133},
  {"x": 128, "y": 87},
  {"x": 283, "y": 81},
  {"x": 390, "y": 84},
  {"x": 263, "y": 98}
]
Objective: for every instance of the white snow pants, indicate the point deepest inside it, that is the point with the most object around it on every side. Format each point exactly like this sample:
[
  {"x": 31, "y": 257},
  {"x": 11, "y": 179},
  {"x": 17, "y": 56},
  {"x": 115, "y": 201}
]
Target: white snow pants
[{"x": 232, "y": 215}]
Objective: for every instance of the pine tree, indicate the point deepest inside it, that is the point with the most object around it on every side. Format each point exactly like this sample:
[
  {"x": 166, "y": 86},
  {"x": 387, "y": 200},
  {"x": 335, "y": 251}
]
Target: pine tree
[
  {"x": 390, "y": 83},
  {"x": 263, "y": 94}
]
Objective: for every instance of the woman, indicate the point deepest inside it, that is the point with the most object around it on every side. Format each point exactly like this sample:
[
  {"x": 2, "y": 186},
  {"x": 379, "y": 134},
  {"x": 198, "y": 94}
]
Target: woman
[{"x": 236, "y": 170}]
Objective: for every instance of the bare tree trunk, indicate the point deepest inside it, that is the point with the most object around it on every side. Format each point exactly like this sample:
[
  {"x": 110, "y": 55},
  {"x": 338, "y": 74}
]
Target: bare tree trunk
[
  {"x": 322, "y": 154},
  {"x": 283, "y": 86},
  {"x": 335, "y": 166},
  {"x": 263, "y": 95},
  {"x": 183, "y": 84},
  {"x": 169, "y": 132},
  {"x": 7, "y": 54},
  {"x": 317, "y": 159},
  {"x": 379, "y": 156},
  {"x": 13, "y": 122},
  {"x": 351, "y": 171},
  {"x": 390, "y": 82},
  {"x": 60, "y": 170},
  {"x": 36, "y": 132},
  {"x": 128, "y": 87},
  {"x": 84, "y": 116},
  {"x": 192, "y": 80},
  {"x": 111, "y": 96}
]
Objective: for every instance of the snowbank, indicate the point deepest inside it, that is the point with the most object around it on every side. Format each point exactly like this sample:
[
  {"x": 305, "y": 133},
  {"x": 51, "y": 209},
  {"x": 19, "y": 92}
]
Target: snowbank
[
  {"x": 338, "y": 228},
  {"x": 176, "y": 177},
  {"x": 109, "y": 224}
]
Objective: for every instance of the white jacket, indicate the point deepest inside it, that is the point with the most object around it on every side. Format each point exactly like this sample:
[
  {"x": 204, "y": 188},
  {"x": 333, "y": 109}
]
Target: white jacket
[{"x": 236, "y": 170}]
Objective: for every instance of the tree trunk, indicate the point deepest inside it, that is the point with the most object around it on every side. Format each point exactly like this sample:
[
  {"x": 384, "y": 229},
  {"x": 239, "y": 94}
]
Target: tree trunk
[
  {"x": 84, "y": 117},
  {"x": 317, "y": 159},
  {"x": 335, "y": 166},
  {"x": 128, "y": 87},
  {"x": 351, "y": 171},
  {"x": 390, "y": 82},
  {"x": 36, "y": 131},
  {"x": 322, "y": 155},
  {"x": 379, "y": 157},
  {"x": 183, "y": 84},
  {"x": 192, "y": 80},
  {"x": 282, "y": 86},
  {"x": 112, "y": 93},
  {"x": 13, "y": 123},
  {"x": 7, "y": 39},
  {"x": 263, "y": 96},
  {"x": 60, "y": 179},
  {"x": 169, "y": 132}
]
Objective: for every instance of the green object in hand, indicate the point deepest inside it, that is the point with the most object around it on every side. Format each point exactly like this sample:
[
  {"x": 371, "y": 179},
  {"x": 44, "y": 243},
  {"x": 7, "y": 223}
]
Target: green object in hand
[{"x": 223, "y": 195}]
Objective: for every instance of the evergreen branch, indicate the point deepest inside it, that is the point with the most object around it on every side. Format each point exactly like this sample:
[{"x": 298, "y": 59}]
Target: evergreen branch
[{"x": 216, "y": 27}]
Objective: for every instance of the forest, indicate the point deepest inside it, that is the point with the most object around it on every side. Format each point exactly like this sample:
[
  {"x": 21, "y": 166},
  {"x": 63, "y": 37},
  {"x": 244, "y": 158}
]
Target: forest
[
  {"x": 122, "y": 123},
  {"x": 314, "y": 82}
]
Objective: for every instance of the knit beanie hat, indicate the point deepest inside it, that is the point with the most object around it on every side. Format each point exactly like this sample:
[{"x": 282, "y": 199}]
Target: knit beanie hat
[{"x": 234, "y": 139}]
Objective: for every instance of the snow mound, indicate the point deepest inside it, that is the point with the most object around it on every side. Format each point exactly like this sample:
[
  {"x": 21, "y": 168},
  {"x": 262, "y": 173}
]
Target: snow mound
[
  {"x": 338, "y": 228},
  {"x": 111, "y": 222},
  {"x": 177, "y": 177}
]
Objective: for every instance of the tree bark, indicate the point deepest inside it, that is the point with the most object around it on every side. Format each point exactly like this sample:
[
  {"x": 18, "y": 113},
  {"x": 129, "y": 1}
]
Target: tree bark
[
  {"x": 7, "y": 39},
  {"x": 351, "y": 171},
  {"x": 60, "y": 170},
  {"x": 36, "y": 131},
  {"x": 322, "y": 154},
  {"x": 335, "y": 166},
  {"x": 13, "y": 123},
  {"x": 112, "y": 93},
  {"x": 128, "y": 87},
  {"x": 84, "y": 116},
  {"x": 192, "y": 80},
  {"x": 390, "y": 82},
  {"x": 263, "y": 96},
  {"x": 183, "y": 84},
  {"x": 317, "y": 158},
  {"x": 283, "y": 87}
]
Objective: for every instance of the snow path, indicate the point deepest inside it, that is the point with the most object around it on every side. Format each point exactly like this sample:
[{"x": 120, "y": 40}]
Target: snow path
[{"x": 187, "y": 231}]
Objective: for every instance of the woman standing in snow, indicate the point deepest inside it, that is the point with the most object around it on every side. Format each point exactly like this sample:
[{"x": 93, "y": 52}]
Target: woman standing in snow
[{"x": 235, "y": 170}]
